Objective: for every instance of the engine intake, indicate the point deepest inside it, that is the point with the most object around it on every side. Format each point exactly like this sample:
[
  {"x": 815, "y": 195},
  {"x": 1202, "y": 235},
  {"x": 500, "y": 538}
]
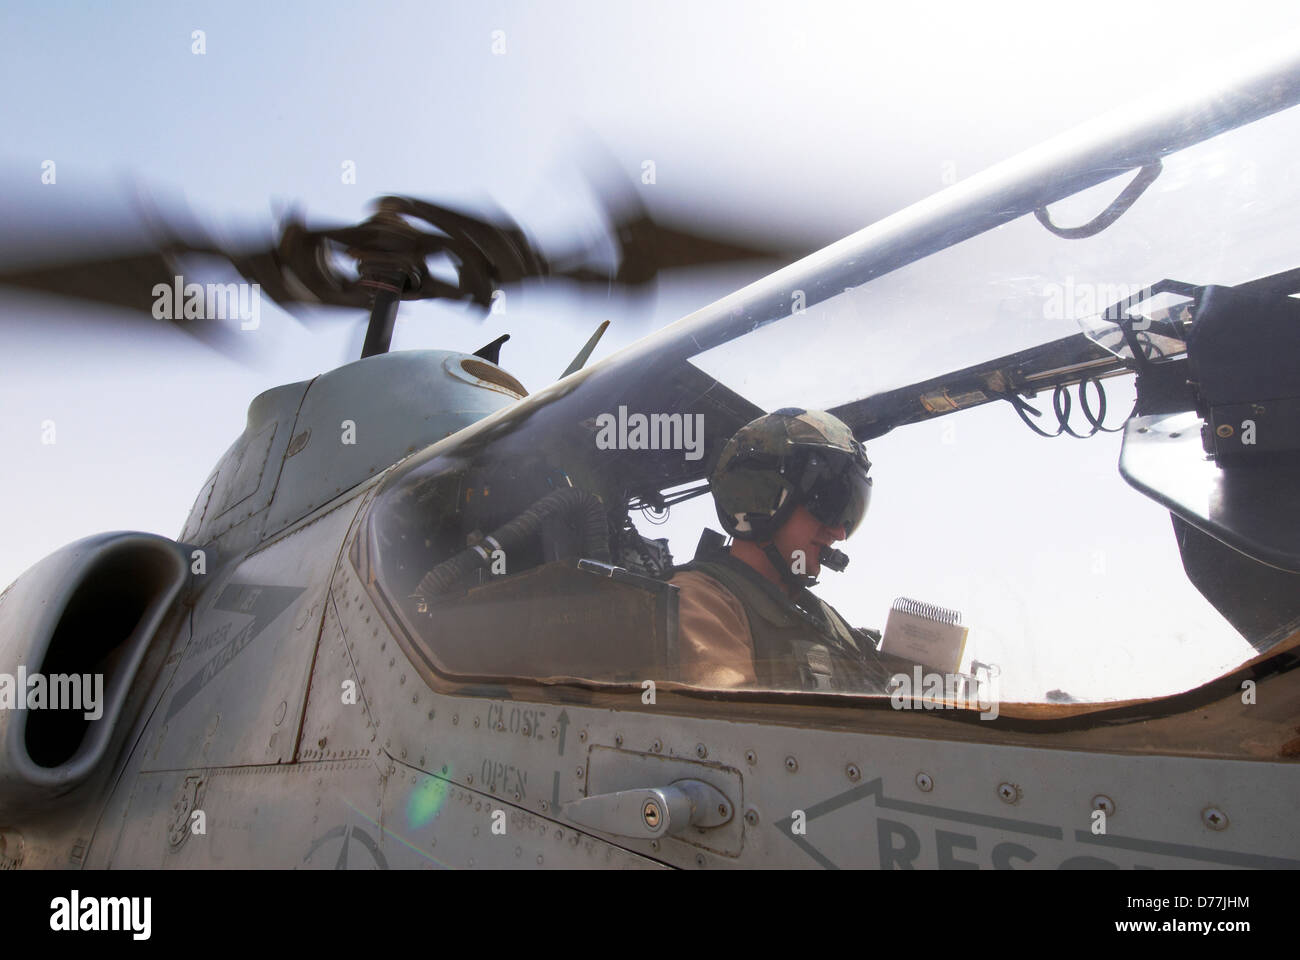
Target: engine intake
[{"x": 74, "y": 630}]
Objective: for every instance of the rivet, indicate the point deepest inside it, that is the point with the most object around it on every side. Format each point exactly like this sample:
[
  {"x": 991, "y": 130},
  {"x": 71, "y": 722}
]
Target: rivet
[
  {"x": 476, "y": 721},
  {"x": 751, "y": 817},
  {"x": 1224, "y": 430},
  {"x": 618, "y": 739},
  {"x": 853, "y": 773},
  {"x": 582, "y": 735},
  {"x": 455, "y": 719},
  {"x": 923, "y": 782},
  {"x": 701, "y": 751},
  {"x": 1103, "y": 803},
  {"x": 1214, "y": 818},
  {"x": 580, "y": 773},
  {"x": 791, "y": 764},
  {"x": 656, "y": 747}
]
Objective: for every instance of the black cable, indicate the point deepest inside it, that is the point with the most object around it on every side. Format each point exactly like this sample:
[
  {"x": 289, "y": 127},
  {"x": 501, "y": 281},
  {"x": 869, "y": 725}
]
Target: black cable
[
  {"x": 656, "y": 510},
  {"x": 1062, "y": 406},
  {"x": 584, "y": 511},
  {"x": 1145, "y": 177}
]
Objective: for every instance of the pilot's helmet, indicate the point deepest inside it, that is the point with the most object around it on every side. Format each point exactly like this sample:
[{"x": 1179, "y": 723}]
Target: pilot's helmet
[{"x": 786, "y": 458}]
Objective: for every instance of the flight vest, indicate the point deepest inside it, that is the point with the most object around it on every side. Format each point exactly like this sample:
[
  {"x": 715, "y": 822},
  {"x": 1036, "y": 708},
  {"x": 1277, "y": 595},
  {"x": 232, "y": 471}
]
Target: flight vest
[{"x": 804, "y": 646}]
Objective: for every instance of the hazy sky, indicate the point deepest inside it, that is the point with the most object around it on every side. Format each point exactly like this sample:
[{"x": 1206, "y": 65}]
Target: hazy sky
[{"x": 807, "y": 121}]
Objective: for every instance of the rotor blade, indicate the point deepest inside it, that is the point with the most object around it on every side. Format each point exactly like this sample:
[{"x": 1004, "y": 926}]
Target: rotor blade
[
  {"x": 650, "y": 245},
  {"x": 132, "y": 281},
  {"x": 126, "y": 280},
  {"x": 577, "y": 363}
]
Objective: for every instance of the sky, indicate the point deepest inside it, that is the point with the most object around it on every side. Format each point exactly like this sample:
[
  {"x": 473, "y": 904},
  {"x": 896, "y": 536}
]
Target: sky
[{"x": 806, "y": 122}]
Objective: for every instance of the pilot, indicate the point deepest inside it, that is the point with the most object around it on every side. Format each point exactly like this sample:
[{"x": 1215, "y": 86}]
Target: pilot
[{"x": 787, "y": 486}]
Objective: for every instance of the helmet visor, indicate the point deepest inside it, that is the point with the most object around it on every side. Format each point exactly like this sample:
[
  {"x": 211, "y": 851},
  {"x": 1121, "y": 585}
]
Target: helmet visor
[{"x": 837, "y": 491}]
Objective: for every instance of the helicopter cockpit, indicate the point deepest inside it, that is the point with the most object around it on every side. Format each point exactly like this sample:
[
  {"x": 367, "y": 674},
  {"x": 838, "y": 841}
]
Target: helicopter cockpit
[
  {"x": 510, "y": 568},
  {"x": 509, "y": 551}
]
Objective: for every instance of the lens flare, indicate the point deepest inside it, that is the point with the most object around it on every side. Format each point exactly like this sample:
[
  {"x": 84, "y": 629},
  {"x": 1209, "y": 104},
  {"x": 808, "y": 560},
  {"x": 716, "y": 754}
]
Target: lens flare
[{"x": 425, "y": 802}]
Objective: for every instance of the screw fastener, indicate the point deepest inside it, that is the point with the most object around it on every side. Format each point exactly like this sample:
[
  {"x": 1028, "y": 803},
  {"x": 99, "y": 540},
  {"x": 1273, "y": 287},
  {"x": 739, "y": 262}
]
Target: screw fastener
[{"x": 1214, "y": 818}]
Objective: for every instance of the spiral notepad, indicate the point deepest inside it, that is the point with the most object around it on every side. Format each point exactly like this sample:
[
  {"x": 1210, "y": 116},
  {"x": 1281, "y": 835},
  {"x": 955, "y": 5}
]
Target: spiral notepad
[{"x": 925, "y": 634}]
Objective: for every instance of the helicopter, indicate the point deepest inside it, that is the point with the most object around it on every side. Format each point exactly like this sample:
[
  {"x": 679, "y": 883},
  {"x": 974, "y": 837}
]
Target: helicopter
[{"x": 409, "y": 623}]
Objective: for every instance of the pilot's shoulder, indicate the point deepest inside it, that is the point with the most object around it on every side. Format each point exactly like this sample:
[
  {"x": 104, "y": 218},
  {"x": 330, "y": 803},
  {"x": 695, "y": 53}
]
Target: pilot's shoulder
[
  {"x": 699, "y": 590},
  {"x": 698, "y": 580}
]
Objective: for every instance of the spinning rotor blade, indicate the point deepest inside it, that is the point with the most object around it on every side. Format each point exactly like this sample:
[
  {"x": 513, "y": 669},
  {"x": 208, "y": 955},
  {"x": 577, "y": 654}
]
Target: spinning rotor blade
[
  {"x": 652, "y": 245},
  {"x": 391, "y": 251}
]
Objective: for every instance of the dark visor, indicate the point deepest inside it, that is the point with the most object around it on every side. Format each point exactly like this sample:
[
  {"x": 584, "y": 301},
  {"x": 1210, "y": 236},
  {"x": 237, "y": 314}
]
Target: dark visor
[{"x": 837, "y": 491}]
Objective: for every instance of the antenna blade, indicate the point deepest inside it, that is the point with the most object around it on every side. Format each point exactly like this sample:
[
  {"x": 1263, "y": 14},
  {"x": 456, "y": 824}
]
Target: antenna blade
[
  {"x": 585, "y": 352},
  {"x": 492, "y": 352}
]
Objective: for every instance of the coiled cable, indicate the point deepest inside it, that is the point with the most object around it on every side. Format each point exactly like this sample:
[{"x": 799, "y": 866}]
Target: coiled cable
[{"x": 1062, "y": 406}]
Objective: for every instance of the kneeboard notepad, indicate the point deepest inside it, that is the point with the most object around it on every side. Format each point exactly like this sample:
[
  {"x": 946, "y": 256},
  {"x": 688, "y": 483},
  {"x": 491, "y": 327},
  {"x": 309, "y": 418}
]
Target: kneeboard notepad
[{"x": 925, "y": 634}]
